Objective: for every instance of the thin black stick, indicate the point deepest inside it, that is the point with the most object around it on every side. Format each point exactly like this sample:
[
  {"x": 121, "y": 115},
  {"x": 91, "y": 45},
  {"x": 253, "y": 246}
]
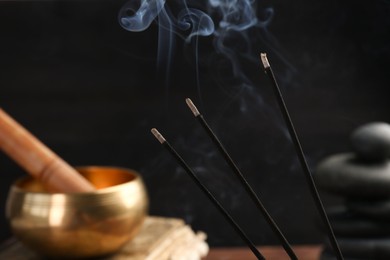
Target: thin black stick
[
  {"x": 302, "y": 159},
  {"x": 180, "y": 160},
  {"x": 242, "y": 179}
]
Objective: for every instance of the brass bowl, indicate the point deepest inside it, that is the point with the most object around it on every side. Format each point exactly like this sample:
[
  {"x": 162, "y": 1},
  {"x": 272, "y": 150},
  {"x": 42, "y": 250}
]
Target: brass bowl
[{"x": 79, "y": 225}]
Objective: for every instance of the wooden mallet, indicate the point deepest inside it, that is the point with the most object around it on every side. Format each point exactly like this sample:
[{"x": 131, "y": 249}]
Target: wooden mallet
[{"x": 38, "y": 160}]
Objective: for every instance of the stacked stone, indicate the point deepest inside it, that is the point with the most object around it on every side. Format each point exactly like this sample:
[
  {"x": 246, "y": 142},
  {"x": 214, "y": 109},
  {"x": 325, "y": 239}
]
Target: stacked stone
[{"x": 362, "y": 178}]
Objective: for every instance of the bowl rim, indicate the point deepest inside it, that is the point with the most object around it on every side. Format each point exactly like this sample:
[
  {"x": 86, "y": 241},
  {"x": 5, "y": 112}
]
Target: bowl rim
[{"x": 137, "y": 178}]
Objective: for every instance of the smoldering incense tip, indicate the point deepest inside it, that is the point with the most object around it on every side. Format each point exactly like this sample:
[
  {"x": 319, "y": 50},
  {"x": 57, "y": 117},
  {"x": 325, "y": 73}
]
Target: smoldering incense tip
[
  {"x": 193, "y": 108},
  {"x": 158, "y": 136},
  {"x": 264, "y": 59}
]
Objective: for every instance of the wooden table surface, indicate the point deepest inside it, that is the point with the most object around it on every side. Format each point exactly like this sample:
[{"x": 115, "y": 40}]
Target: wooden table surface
[
  {"x": 310, "y": 252},
  {"x": 269, "y": 252}
]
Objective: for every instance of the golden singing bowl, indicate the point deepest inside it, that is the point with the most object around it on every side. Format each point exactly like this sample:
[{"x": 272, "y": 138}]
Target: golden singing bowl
[{"x": 79, "y": 225}]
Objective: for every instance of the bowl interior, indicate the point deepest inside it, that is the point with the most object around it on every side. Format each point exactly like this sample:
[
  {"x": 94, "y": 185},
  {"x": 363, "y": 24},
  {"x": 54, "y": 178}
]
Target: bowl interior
[{"x": 100, "y": 177}]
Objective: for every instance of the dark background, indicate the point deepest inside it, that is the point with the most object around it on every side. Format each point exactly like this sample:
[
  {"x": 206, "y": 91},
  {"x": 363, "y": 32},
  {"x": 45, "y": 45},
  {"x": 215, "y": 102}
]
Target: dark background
[{"x": 90, "y": 90}]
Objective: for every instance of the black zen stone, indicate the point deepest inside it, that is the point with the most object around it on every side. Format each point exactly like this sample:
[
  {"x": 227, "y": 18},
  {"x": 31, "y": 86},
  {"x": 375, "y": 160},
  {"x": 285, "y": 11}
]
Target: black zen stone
[
  {"x": 377, "y": 209},
  {"x": 365, "y": 248},
  {"x": 372, "y": 141},
  {"x": 350, "y": 224},
  {"x": 345, "y": 175}
]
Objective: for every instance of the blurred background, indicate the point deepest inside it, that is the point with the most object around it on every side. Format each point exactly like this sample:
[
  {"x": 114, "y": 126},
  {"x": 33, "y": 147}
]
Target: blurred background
[{"x": 92, "y": 90}]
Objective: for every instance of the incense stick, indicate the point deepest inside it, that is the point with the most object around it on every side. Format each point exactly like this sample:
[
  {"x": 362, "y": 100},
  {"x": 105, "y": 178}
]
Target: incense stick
[
  {"x": 302, "y": 159},
  {"x": 190, "y": 172},
  {"x": 242, "y": 179}
]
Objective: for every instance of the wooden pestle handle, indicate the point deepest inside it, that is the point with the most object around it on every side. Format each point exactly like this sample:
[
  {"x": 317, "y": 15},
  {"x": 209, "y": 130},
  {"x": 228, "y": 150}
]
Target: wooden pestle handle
[{"x": 37, "y": 159}]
